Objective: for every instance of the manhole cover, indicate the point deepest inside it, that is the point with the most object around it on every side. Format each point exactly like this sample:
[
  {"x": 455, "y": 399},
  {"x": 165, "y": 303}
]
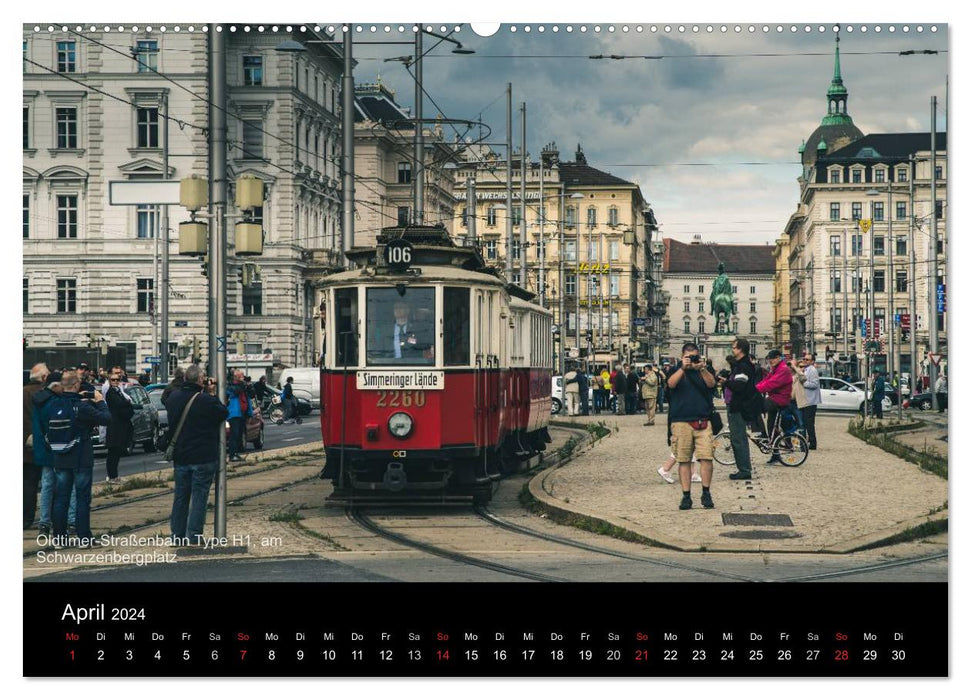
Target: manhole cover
[
  {"x": 756, "y": 519},
  {"x": 761, "y": 534}
]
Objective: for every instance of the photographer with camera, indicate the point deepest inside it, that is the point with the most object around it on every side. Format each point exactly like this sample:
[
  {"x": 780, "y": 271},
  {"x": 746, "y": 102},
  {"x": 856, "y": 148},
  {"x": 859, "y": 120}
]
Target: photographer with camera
[
  {"x": 690, "y": 387},
  {"x": 69, "y": 419}
]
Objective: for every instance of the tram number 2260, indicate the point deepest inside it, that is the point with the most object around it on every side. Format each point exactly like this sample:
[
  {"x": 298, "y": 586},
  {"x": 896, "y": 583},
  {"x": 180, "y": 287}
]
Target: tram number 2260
[{"x": 395, "y": 399}]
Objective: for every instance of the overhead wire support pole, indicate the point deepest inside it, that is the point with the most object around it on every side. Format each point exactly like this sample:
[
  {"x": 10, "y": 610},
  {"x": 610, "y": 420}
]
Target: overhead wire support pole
[
  {"x": 932, "y": 325},
  {"x": 347, "y": 149},
  {"x": 542, "y": 235},
  {"x": 419, "y": 174},
  {"x": 162, "y": 293},
  {"x": 523, "y": 169},
  {"x": 217, "y": 247},
  {"x": 508, "y": 182},
  {"x": 912, "y": 287}
]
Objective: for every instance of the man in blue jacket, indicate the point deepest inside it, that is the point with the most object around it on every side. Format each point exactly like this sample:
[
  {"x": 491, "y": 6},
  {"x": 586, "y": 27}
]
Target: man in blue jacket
[
  {"x": 73, "y": 467},
  {"x": 196, "y": 453},
  {"x": 240, "y": 409}
]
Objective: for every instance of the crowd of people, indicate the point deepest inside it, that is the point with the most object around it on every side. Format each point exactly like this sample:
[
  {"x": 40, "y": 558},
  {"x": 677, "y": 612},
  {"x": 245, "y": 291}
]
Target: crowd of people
[{"x": 63, "y": 409}]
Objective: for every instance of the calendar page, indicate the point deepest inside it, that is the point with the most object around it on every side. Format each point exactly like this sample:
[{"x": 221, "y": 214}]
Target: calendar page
[{"x": 536, "y": 349}]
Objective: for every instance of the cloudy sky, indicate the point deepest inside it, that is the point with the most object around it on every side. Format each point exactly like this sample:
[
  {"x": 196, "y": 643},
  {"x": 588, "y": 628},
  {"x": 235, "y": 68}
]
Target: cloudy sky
[{"x": 645, "y": 120}]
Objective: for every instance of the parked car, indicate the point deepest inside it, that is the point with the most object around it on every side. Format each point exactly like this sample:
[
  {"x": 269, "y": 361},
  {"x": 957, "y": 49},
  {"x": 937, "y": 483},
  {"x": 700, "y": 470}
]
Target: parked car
[
  {"x": 155, "y": 396},
  {"x": 838, "y": 395},
  {"x": 892, "y": 393},
  {"x": 146, "y": 428},
  {"x": 924, "y": 401}
]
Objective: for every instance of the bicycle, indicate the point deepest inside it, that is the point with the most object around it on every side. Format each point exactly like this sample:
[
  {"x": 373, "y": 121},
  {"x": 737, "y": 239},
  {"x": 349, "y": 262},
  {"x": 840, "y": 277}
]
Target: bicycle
[{"x": 792, "y": 449}]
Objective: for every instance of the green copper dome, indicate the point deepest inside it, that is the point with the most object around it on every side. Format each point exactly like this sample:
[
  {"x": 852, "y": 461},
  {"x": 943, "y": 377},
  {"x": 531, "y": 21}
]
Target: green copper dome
[{"x": 836, "y": 129}]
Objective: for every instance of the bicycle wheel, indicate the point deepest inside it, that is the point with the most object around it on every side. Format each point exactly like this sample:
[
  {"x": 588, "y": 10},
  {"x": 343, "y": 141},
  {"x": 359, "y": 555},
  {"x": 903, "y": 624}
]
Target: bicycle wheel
[
  {"x": 791, "y": 449},
  {"x": 722, "y": 448}
]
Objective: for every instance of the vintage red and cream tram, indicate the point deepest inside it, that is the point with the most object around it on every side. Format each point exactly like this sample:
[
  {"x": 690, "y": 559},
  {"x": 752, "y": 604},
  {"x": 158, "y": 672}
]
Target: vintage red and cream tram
[{"x": 436, "y": 371}]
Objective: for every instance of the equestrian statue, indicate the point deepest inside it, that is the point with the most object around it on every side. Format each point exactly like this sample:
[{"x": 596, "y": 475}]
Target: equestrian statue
[{"x": 722, "y": 300}]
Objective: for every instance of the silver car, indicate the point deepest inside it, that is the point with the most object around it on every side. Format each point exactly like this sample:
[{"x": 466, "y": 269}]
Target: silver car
[{"x": 838, "y": 395}]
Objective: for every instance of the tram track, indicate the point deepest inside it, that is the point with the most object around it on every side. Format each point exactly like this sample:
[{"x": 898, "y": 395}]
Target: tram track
[{"x": 869, "y": 568}]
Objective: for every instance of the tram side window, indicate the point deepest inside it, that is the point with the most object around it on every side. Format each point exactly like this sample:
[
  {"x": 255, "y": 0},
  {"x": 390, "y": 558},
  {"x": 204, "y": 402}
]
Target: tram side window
[
  {"x": 401, "y": 326},
  {"x": 345, "y": 301},
  {"x": 456, "y": 319}
]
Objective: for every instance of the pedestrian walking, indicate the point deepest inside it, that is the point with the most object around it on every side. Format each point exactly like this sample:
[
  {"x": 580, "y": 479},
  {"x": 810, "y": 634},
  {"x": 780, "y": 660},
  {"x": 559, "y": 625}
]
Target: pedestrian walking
[
  {"x": 571, "y": 390},
  {"x": 119, "y": 432},
  {"x": 70, "y": 419},
  {"x": 196, "y": 453},
  {"x": 608, "y": 387},
  {"x": 807, "y": 393},
  {"x": 619, "y": 381},
  {"x": 744, "y": 404},
  {"x": 32, "y": 468},
  {"x": 649, "y": 390},
  {"x": 45, "y": 458},
  {"x": 240, "y": 408},
  {"x": 691, "y": 386},
  {"x": 777, "y": 385},
  {"x": 878, "y": 394},
  {"x": 940, "y": 388},
  {"x": 598, "y": 393},
  {"x": 290, "y": 403},
  {"x": 633, "y": 385},
  {"x": 584, "y": 383}
]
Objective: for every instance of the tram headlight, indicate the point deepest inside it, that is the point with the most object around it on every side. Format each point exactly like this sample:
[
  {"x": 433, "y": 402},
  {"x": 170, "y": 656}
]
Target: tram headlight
[{"x": 400, "y": 425}]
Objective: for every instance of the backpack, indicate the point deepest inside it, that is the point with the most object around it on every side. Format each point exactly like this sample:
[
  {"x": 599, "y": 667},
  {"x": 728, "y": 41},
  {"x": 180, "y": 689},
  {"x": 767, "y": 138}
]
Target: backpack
[{"x": 63, "y": 430}]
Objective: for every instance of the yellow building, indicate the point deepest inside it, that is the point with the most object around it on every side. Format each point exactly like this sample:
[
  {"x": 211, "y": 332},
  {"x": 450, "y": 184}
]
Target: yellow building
[
  {"x": 780, "y": 293},
  {"x": 596, "y": 224}
]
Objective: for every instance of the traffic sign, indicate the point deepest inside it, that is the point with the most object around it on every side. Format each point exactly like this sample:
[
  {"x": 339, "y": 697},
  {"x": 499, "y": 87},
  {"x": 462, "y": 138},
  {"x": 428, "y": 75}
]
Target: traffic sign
[
  {"x": 941, "y": 298},
  {"x": 153, "y": 359},
  {"x": 554, "y": 328},
  {"x": 640, "y": 321},
  {"x": 181, "y": 324}
]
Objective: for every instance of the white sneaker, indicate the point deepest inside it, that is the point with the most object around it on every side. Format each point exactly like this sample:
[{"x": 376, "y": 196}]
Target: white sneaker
[
  {"x": 696, "y": 478},
  {"x": 665, "y": 475}
]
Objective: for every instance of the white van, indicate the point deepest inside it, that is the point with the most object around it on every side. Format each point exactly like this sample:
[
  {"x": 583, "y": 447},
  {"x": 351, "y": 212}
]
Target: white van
[{"x": 306, "y": 381}]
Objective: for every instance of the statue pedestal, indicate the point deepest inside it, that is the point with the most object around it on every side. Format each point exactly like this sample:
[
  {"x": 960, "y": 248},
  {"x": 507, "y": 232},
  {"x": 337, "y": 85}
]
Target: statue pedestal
[{"x": 717, "y": 348}]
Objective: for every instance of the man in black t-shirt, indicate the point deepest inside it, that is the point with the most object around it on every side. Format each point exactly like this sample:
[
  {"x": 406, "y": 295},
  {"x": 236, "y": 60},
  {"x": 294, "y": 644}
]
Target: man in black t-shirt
[{"x": 690, "y": 388}]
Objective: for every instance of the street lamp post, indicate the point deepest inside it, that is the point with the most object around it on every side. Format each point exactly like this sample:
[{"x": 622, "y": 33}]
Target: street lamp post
[
  {"x": 932, "y": 307},
  {"x": 912, "y": 288}
]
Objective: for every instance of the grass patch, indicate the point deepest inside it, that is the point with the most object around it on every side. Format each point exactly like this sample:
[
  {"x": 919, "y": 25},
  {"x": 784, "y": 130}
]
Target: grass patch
[
  {"x": 290, "y": 515},
  {"x": 599, "y": 430},
  {"x": 925, "y": 459},
  {"x": 297, "y": 525},
  {"x": 136, "y": 482},
  {"x": 928, "y": 529}
]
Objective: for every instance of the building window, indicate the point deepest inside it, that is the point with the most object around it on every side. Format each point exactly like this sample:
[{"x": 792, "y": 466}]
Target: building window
[
  {"x": 879, "y": 281},
  {"x": 856, "y": 211},
  {"x": 701, "y": 289},
  {"x": 857, "y": 176},
  {"x": 517, "y": 215},
  {"x": 735, "y": 327},
  {"x": 701, "y": 307},
  {"x": 837, "y": 321},
  {"x": 834, "y": 177},
  {"x": 734, "y": 307},
  {"x": 404, "y": 216},
  {"x": 687, "y": 289},
  {"x": 687, "y": 326},
  {"x": 834, "y": 245},
  {"x": 835, "y": 281},
  {"x": 465, "y": 217},
  {"x": 612, "y": 216},
  {"x": 879, "y": 175},
  {"x": 67, "y": 296},
  {"x": 938, "y": 172},
  {"x": 146, "y": 295},
  {"x": 878, "y": 211},
  {"x": 404, "y": 173},
  {"x": 252, "y": 139},
  {"x": 701, "y": 327},
  {"x": 571, "y": 284},
  {"x": 751, "y": 327},
  {"x": 26, "y": 216},
  {"x": 571, "y": 216},
  {"x": 901, "y": 211},
  {"x": 614, "y": 250},
  {"x": 751, "y": 307},
  {"x": 253, "y": 299},
  {"x": 67, "y": 57},
  {"x": 541, "y": 248},
  {"x": 939, "y": 209},
  {"x": 901, "y": 281},
  {"x": 491, "y": 216},
  {"x": 901, "y": 174},
  {"x": 491, "y": 249},
  {"x": 901, "y": 246},
  {"x": 856, "y": 244},
  {"x": 593, "y": 250},
  {"x": 879, "y": 248},
  {"x": 26, "y": 293},
  {"x": 26, "y": 126},
  {"x": 146, "y": 220},
  {"x": 67, "y": 216},
  {"x": 67, "y": 127},
  {"x": 25, "y": 55},
  {"x": 146, "y": 53},
  {"x": 570, "y": 251},
  {"x": 687, "y": 306},
  {"x": 855, "y": 281},
  {"x": 252, "y": 70},
  {"x": 834, "y": 211},
  {"x": 517, "y": 249},
  {"x": 147, "y": 127},
  {"x": 614, "y": 284},
  {"x": 515, "y": 277},
  {"x": 751, "y": 290},
  {"x": 591, "y": 216}
]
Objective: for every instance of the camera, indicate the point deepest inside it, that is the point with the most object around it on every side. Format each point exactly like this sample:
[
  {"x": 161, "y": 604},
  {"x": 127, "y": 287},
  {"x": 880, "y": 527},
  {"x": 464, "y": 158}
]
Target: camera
[
  {"x": 695, "y": 358},
  {"x": 87, "y": 395}
]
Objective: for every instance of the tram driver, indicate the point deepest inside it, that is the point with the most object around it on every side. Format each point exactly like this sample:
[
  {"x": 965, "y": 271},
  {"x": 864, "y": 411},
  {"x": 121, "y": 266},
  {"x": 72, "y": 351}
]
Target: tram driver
[{"x": 410, "y": 339}]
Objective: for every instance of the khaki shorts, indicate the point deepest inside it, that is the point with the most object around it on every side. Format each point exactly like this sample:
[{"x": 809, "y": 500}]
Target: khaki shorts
[{"x": 687, "y": 442}]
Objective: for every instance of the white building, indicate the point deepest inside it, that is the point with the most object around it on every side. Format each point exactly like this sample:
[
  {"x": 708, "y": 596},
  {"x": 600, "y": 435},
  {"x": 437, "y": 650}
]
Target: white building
[
  {"x": 100, "y": 107},
  {"x": 690, "y": 269}
]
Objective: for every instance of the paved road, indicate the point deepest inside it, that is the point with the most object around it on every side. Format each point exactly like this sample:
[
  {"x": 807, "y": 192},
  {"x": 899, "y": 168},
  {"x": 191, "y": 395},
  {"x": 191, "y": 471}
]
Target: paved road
[{"x": 276, "y": 436}]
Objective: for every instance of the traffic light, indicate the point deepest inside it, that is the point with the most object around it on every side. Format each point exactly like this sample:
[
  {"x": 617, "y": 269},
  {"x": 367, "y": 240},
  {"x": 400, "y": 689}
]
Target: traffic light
[
  {"x": 249, "y": 196},
  {"x": 205, "y": 266},
  {"x": 193, "y": 235}
]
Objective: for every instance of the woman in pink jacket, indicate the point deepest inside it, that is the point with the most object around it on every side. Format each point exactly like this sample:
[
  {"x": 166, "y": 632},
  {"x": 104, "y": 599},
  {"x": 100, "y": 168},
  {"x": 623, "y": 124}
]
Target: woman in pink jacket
[{"x": 777, "y": 386}]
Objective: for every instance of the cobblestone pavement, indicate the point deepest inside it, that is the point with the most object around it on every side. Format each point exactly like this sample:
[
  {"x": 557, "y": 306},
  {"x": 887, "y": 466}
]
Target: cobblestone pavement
[{"x": 847, "y": 495}]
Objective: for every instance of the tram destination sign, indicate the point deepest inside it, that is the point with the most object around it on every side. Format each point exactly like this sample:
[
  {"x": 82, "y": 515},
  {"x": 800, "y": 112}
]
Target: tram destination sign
[{"x": 398, "y": 380}]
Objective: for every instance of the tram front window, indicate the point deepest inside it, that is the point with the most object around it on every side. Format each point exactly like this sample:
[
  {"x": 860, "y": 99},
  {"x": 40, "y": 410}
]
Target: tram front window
[{"x": 401, "y": 327}]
